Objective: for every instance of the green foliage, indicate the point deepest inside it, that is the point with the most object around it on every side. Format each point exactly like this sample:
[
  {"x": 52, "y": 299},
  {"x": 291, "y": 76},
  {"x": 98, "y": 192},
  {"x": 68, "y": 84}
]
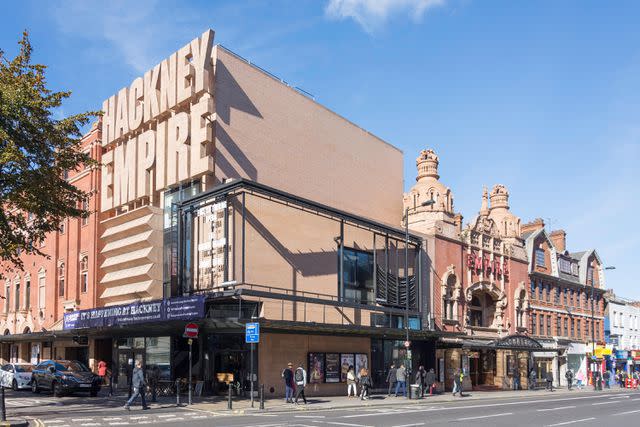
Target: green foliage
[{"x": 35, "y": 151}]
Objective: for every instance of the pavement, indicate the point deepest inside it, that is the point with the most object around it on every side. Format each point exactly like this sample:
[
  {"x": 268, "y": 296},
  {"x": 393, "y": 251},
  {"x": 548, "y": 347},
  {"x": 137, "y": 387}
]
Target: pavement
[{"x": 500, "y": 408}]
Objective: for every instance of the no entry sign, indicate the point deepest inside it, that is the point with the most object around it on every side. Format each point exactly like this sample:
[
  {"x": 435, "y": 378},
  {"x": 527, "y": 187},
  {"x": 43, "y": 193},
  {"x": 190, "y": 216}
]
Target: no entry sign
[{"x": 191, "y": 330}]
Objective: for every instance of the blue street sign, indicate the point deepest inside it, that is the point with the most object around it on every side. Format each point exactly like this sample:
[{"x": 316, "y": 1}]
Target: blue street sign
[{"x": 252, "y": 332}]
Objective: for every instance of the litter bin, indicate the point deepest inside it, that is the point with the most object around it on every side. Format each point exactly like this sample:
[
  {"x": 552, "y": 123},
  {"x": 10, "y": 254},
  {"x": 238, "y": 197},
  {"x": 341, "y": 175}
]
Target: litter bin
[{"x": 414, "y": 391}]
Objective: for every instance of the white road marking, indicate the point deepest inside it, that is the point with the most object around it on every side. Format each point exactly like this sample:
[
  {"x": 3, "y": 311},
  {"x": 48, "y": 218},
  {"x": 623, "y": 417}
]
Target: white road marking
[
  {"x": 410, "y": 425},
  {"x": 346, "y": 424},
  {"x": 174, "y": 419},
  {"x": 605, "y": 403},
  {"x": 485, "y": 416},
  {"x": 75, "y": 420},
  {"x": 166, "y": 415},
  {"x": 198, "y": 417},
  {"x": 55, "y": 421},
  {"x": 571, "y": 422},
  {"x": 119, "y": 424},
  {"x": 112, "y": 419},
  {"x": 309, "y": 416},
  {"x": 628, "y": 412},
  {"x": 555, "y": 409},
  {"x": 141, "y": 417},
  {"x": 633, "y": 400},
  {"x": 90, "y": 424},
  {"x": 620, "y": 397}
]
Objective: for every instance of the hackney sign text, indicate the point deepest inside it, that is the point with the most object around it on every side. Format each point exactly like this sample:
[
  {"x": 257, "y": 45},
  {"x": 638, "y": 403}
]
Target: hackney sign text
[
  {"x": 182, "y": 308},
  {"x": 252, "y": 332}
]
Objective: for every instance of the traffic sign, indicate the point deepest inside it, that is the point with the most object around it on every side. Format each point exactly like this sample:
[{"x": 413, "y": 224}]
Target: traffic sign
[
  {"x": 252, "y": 332},
  {"x": 191, "y": 330}
]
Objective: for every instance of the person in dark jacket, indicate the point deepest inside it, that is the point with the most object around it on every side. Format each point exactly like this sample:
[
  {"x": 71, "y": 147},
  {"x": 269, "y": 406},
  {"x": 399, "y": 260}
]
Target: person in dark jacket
[
  {"x": 457, "y": 382},
  {"x": 607, "y": 377},
  {"x": 430, "y": 379},
  {"x": 391, "y": 378},
  {"x": 550, "y": 381},
  {"x": 569, "y": 377},
  {"x": 421, "y": 379},
  {"x": 532, "y": 379},
  {"x": 138, "y": 384},
  {"x": 289, "y": 385},
  {"x": 365, "y": 383}
]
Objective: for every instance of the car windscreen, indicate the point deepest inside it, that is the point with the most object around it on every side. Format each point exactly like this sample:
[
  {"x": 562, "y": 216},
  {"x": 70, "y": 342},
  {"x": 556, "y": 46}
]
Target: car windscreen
[
  {"x": 24, "y": 368},
  {"x": 71, "y": 367}
]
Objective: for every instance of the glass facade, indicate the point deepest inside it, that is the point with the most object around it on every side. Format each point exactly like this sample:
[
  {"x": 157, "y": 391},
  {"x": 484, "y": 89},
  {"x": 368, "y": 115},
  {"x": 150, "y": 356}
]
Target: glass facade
[{"x": 358, "y": 276}]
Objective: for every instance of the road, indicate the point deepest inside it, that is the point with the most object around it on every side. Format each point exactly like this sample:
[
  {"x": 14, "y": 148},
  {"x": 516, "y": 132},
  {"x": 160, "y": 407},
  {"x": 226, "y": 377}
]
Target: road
[{"x": 541, "y": 409}]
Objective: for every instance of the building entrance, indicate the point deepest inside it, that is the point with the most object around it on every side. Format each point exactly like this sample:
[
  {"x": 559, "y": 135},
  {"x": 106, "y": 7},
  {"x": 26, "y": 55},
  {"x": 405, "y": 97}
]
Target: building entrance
[{"x": 482, "y": 368}]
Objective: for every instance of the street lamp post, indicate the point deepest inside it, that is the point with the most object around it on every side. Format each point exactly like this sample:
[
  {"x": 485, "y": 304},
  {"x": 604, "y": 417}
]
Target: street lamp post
[{"x": 406, "y": 277}]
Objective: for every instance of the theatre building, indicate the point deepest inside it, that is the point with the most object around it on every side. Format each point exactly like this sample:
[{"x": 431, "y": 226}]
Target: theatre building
[
  {"x": 567, "y": 303},
  {"x": 480, "y": 302},
  {"x": 227, "y": 196}
]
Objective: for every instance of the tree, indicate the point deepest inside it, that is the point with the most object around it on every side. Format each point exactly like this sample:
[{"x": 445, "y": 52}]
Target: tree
[{"x": 35, "y": 152}]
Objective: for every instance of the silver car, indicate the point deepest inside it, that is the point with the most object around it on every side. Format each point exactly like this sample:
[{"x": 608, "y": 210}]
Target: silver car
[{"x": 16, "y": 375}]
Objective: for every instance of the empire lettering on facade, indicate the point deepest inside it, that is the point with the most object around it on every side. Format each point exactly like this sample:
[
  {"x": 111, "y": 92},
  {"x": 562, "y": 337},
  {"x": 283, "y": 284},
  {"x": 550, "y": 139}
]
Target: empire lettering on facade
[{"x": 159, "y": 128}]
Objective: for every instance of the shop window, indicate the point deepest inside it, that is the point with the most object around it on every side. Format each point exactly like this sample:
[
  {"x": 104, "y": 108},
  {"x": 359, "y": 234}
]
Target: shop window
[
  {"x": 61, "y": 279},
  {"x": 158, "y": 356},
  {"x": 540, "y": 258},
  {"x": 358, "y": 276}
]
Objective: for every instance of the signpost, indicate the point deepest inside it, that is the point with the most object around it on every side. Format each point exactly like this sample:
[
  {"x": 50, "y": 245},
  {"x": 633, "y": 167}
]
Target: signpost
[
  {"x": 191, "y": 332},
  {"x": 252, "y": 336}
]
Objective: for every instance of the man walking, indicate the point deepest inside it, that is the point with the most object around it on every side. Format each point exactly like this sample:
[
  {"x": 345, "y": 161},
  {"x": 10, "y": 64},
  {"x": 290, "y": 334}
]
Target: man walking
[
  {"x": 300, "y": 378},
  {"x": 401, "y": 380},
  {"x": 287, "y": 376},
  {"x": 607, "y": 378},
  {"x": 569, "y": 376},
  {"x": 550, "y": 381},
  {"x": 421, "y": 379},
  {"x": 457, "y": 382},
  {"x": 137, "y": 381},
  {"x": 516, "y": 378},
  {"x": 391, "y": 378}
]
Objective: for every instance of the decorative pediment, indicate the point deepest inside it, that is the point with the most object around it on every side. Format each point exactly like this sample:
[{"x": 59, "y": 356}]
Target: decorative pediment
[
  {"x": 520, "y": 342},
  {"x": 485, "y": 225}
]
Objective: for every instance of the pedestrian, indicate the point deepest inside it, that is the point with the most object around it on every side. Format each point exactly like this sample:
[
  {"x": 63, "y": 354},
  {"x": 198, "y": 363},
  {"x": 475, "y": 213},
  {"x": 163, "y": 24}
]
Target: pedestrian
[
  {"x": 532, "y": 379},
  {"x": 569, "y": 376},
  {"x": 421, "y": 379},
  {"x": 431, "y": 381},
  {"x": 365, "y": 383},
  {"x": 154, "y": 378},
  {"x": 516, "y": 378},
  {"x": 607, "y": 377},
  {"x": 351, "y": 382},
  {"x": 457, "y": 382},
  {"x": 289, "y": 385},
  {"x": 550, "y": 381},
  {"x": 300, "y": 377},
  {"x": 137, "y": 381},
  {"x": 401, "y": 380},
  {"x": 391, "y": 378},
  {"x": 102, "y": 371}
]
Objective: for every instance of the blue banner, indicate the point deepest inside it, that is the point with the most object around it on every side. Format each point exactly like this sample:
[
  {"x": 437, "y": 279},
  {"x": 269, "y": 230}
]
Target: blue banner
[{"x": 181, "y": 308}]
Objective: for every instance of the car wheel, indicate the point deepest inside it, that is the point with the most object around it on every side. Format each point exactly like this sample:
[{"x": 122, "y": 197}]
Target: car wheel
[
  {"x": 34, "y": 386},
  {"x": 14, "y": 385},
  {"x": 55, "y": 388}
]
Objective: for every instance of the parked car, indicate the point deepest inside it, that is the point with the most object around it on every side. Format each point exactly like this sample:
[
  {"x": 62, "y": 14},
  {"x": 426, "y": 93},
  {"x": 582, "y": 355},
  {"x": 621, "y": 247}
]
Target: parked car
[
  {"x": 64, "y": 377},
  {"x": 16, "y": 375}
]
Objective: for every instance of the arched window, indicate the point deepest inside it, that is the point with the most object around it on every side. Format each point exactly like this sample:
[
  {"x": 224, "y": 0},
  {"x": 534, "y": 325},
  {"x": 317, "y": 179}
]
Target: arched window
[
  {"x": 476, "y": 312},
  {"x": 61, "y": 279},
  {"x": 84, "y": 273},
  {"x": 448, "y": 304}
]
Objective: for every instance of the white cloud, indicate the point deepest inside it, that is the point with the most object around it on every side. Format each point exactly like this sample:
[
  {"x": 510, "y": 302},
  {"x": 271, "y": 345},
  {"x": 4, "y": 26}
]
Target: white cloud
[{"x": 371, "y": 14}]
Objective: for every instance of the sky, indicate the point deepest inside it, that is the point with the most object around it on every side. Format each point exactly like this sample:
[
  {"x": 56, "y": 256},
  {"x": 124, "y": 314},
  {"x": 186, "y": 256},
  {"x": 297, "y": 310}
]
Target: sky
[{"x": 542, "y": 96}]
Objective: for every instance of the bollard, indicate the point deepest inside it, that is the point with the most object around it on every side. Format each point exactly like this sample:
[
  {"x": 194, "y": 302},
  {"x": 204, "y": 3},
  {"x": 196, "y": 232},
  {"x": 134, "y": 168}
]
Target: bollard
[
  {"x": 261, "y": 396},
  {"x": 229, "y": 403},
  {"x": 2, "y": 407},
  {"x": 178, "y": 392}
]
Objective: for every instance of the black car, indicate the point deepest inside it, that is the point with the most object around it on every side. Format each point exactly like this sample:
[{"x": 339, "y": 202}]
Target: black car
[{"x": 64, "y": 377}]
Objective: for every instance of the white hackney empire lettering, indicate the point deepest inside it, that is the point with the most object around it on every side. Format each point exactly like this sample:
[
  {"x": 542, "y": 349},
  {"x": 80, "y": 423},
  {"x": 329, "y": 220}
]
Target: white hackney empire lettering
[{"x": 159, "y": 129}]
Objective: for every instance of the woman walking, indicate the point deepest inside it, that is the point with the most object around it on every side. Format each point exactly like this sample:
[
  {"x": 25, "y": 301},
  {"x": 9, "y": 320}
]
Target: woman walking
[
  {"x": 365, "y": 383},
  {"x": 351, "y": 382}
]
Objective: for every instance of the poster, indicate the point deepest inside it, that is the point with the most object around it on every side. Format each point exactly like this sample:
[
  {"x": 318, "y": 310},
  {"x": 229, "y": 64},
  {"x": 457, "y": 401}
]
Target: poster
[
  {"x": 332, "y": 368},
  {"x": 362, "y": 361},
  {"x": 346, "y": 360},
  {"x": 316, "y": 368}
]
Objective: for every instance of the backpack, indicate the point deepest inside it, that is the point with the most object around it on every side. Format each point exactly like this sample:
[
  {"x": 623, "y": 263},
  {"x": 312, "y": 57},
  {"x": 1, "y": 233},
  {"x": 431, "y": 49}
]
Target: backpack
[{"x": 298, "y": 375}]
